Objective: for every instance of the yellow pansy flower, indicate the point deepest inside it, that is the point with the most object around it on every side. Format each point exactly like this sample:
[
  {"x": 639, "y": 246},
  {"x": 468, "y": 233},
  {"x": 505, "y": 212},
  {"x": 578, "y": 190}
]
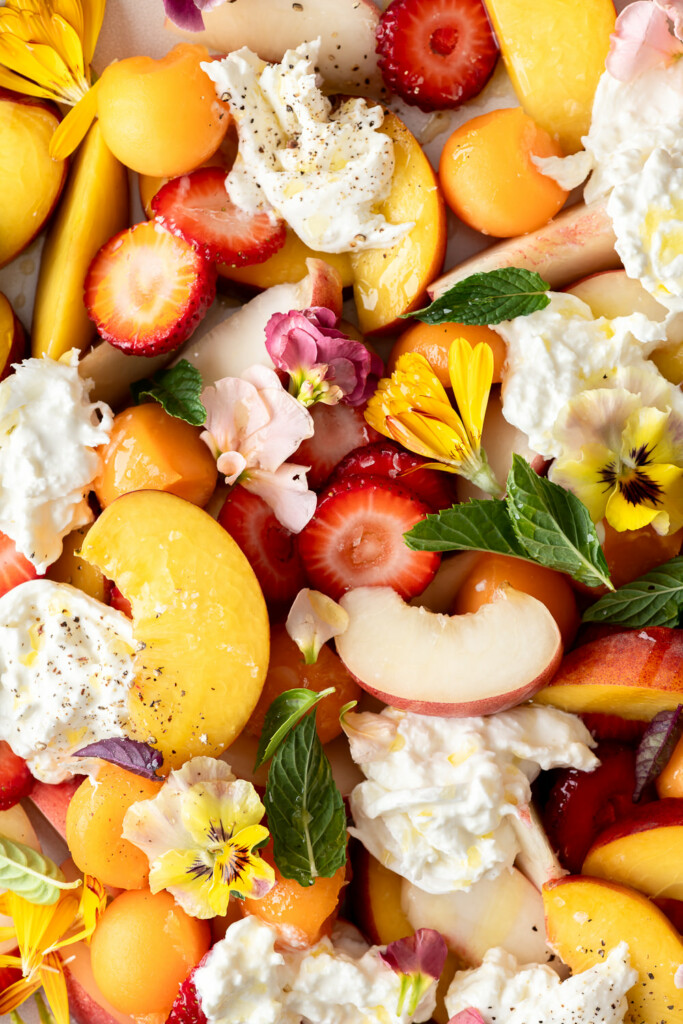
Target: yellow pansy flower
[
  {"x": 40, "y": 932},
  {"x": 412, "y": 407},
  {"x": 199, "y": 834},
  {"x": 45, "y": 50}
]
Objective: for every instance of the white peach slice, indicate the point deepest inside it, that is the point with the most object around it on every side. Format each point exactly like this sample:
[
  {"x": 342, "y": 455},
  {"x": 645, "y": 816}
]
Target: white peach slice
[{"x": 455, "y": 666}]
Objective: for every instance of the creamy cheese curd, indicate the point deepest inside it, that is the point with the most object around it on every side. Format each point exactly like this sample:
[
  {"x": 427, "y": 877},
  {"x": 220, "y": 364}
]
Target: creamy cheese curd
[
  {"x": 441, "y": 793},
  {"x": 323, "y": 170},
  {"x": 244, "y": 980},
  {"x": 66, "y": 668},
  {"x": 506, "y": 993},
  {"x": 49, "y": 429},
  {"x": 557, "y": 352}
]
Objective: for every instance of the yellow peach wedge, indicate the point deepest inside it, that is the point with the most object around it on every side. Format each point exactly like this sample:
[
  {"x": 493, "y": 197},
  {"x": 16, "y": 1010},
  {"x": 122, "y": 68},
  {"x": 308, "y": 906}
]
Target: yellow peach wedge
[
  {"x": 199, "y": 613},
  {"x": 72, "y": 569}
]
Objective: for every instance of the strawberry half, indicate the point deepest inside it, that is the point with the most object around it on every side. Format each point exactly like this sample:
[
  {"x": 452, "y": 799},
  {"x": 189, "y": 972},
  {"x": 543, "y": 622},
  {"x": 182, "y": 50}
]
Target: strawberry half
[
  {"x": 147, "y": 289},
  {"x": 14, "y": 567},
  {"x": 384, "y": 458},
  {"x": 16, "y": 781},
  {"x": 186, "y": 1007},
  {"x": 436, "y": 53},
  {"x": 355, "y": 539},
  {"x": 272, "y": 550},
  {"x": 338, "y": 430},
  {"x": 198, "y": 207}
]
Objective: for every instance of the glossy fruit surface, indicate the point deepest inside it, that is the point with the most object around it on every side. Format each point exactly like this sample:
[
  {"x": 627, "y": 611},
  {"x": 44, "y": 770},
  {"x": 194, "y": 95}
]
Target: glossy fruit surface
[
  {"x": 16, "y": 781},
  {"x": 338, "y": 430},
  {"x": 14, "y": 567},
  {"x": 433, "y": 341},
  {"x": 386, "y": 459}
]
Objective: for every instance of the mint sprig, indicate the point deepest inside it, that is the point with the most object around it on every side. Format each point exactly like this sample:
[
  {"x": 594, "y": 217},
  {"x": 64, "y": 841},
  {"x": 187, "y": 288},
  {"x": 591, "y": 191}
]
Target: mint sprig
[
  {"x": 282, "y": 716},
  {"x": 488, "y": 298},
  {"x": 305, "y": 809},
  {"x": 655, "y": 599},
  {"x": 177, "y": 390},
  {"x": 538, "y": 521}
]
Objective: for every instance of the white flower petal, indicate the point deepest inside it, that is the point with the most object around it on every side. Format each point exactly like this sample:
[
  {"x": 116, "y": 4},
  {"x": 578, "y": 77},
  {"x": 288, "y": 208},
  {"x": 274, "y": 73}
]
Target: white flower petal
[
  {"x": 313, "y": 619},
  {"x": 286, "y": 491}
]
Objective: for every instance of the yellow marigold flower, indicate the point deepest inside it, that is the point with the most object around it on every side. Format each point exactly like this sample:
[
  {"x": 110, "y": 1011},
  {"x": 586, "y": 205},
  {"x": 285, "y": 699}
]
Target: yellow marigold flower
[
  {"x": 199, "y": 835},
  {"x": 45, "y": 50},
  {"x": 623, "y": 457},
  {"x": 412, "y": 407},
  {"x": 40, "y": 932}
]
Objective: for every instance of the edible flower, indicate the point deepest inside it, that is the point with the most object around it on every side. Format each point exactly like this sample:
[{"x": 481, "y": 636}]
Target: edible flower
[
  {"x": 313, "y": 619},
  {"x": 252, "y": 426},
  {"x": 45, "y": 50},
  {"x": 467, "y": 1016},
  {"x": 187, "y": 14},
  {"x": 419, "y": 959},
  {"x": 199, "y": 834},
  {"x": 412, "y": 407},
  {"x": 371, "y": 737},
  {"x": 623, "y": 455},
  {"x": 40, "y": 931},
  {"x": 646, "y": 33},
  {"x": 323, "y": 364}
]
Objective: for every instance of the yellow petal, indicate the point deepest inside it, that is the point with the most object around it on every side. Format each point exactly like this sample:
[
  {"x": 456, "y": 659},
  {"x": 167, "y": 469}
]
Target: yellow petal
[
  {"x": 17, "y": 993},
  {"x": 212, "y": 812},
  {"x": 72, "y": 11},
  {"x": 40, "y": 64},
  {"x": 67, "y": 43},
  {"x": 54, "y": 983},
  {"x": 187, "y": 869},
  {"x": 622, "y": 515},
  {"x": 94, "y": 15},
  {"x": 645, "y": 437},
  {"x": 244, "y": 874},
  {"x": 73, "y": 128},
  {"x": 9, "y": 80},
  {"x": 471, "y": 373},
  {"x": 583, "y": 477}
]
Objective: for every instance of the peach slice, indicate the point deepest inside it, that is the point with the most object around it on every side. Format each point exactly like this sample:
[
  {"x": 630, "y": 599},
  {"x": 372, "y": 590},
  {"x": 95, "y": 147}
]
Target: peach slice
[
  {"x": 199, "y": 614},
  {"x": 30, "y": 180},
  {"x": 472, "y": 664},
  {"x": 390, "y": 282},
  {"x": 12, "y": 338},
  {"x": 53, "y": 801},
  {"x": 587, "y": 917},
  {"x": 72, "y": 569},
  {"x": 633, "y": 674},
  {"x": 376, "y": 895},
  {"x": 288, "y": 264},
  {"x": 643, "y": 850},
  {"x": 95, "y": 207}
]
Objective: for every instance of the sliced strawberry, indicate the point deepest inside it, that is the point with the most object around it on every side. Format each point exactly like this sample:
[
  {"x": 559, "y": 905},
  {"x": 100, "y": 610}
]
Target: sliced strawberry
[
  {"x": 338, "y": 430},
  {"x": 16, "y": 781},
  {"x": 119, "y": 602},
  {"x": 147, "y": 289},
  {"x": 582, "y": 804},
  {"x": 14, "y": 567},
  {"x": 612, "y": 727},
  {"x": 355, "y": 539},
  {"x": 384, "y": 458},
  {"x": 198, "y": 207},
  {"x": 186, "y": 1007},
  {"x": 436, "y": 53},
  {"x": 9, "y": 976},
  {"x": 271, "y": 549}
]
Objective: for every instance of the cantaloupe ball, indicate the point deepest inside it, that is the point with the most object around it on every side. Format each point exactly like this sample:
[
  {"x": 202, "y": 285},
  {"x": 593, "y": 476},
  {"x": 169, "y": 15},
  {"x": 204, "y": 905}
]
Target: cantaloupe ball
[
  {"x": 161, "y": 117},
  {"x": 143, "y": 947},
  {"x": 433, "y": 341},
  {"x": 489, "y": 179}
]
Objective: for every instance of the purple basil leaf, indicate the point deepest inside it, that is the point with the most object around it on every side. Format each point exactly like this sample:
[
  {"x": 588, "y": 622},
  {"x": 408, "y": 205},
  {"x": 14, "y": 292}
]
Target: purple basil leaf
[
  {"x": 468, "y": 1016},
  {"x": 656, "y": 747},
  {"x": 184, "y": 14},
  {"x": 421, "y": 953},
  {"x": 133, "y": 755}
]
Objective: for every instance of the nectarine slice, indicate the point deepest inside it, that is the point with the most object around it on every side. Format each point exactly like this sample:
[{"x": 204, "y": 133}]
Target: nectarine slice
[
  {"x": 376, "y": 899},
  {"x": 70, "y": 568},
  {"x": 587, "y": 917},
  {"x": 12, "y": 337},
  {"x": 199, "y": 613}
]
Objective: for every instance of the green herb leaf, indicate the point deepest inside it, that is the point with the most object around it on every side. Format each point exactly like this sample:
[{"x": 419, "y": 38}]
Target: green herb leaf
[
  {"x": 30, "y": 874},
  {"x": 305, "y": 809},
  {"x": 554, "y": 527},
  {"x": 177, "y": 390},
  {"x": 655, "y": 599},
  {"x": 475, "y": 526},
  {"x": 488, "y": 298},
  {"x": 282, "y": 716}
]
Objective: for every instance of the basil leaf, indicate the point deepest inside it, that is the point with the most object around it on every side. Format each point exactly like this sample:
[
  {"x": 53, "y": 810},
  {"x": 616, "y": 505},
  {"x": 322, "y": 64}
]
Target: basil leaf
[
  {"x": 656, "y": 747},
  {"x": 306, "y": 815},
  {"x": 655, "y": 599},
  {"x": 282, "y": 716},
  {"x": 134, "y": 755},
  {"x": 475, "y": 526},
  {"x": 488, "y": 298},
  {"x": 554, "y": 527},
  {"x": 30, "y": 874},
  {"x": 177, "y": 390}
]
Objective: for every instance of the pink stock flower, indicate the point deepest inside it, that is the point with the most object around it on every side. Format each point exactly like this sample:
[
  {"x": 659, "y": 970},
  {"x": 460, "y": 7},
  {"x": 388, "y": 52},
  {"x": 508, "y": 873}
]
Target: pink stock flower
[
  {"x": 647, "y": 33},
  {"x": 187, "y": 14},
  {"x": 323, "y": 363},
  {"x": 252, "y": 427}
]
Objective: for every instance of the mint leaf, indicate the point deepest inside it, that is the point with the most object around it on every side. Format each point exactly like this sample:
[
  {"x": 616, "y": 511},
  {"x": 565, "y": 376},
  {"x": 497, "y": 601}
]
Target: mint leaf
[
  {"x": 656, "y": 747},
  {"x": 655, "y": 599},
  {"x": 475, "y": 526},
  {"x": 177, "y": 390},
  {"x": 282, "y": 716},
  {"x": 306, "y": 815},
  {"x": 554, "y": 527},
  {"x": 488, "y": 298}
]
